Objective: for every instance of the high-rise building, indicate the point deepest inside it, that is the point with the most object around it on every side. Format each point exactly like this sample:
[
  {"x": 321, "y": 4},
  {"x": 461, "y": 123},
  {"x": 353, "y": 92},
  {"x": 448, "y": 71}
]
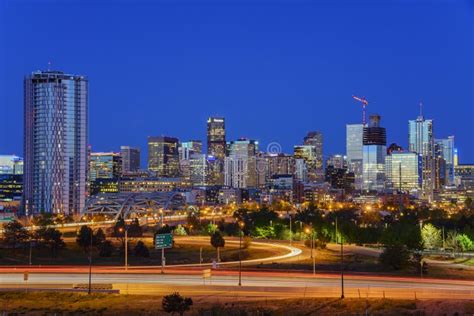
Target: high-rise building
[
  {"x": 315, "y": 139},
  {"x": 130, "y": 159},
  {"x": 11, "y": 164},
  {"x": 216, "y": 149},
  {"x": 337, "y": 161},
  {"x": 55, "y": 146},
  {"x": 354, "y": 152},
  {"x": 421, "y": 141},
  {"x": 308, "y": 154},
  {"x": 186, "y": 149},
  {"x": 105, "y": 166},
  {"x": 163, "y": 158},
  {"x": 216, "y": 142},
  {"x": 241, "y": 164},
  {"x": 198, "y": 169},
  {"x": 373, "y": 156},
  {"x": 444, "y": 148},
  {"x": 403, "y": 172}
]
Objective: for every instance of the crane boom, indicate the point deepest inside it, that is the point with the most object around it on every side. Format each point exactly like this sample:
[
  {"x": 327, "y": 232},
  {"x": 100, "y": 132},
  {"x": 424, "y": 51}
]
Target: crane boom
[{"x": 364, "y": 104}]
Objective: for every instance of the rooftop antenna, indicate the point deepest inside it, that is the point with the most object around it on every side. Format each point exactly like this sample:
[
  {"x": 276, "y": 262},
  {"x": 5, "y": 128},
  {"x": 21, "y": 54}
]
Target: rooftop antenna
[{"x": 421, "y": 109}]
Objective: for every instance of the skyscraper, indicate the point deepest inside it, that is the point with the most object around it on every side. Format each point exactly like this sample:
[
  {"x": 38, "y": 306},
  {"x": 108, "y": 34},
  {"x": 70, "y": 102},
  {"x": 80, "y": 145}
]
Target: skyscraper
[
  {"x": 444, "y": 148},
  {"x": 241, "y": 164},
  {"x": 306, "y": 153},
  {"x": 163, "y": 158},
  {"x": 55, "y": 147},
  {"x": 216, "y": 143},
  {"x": 315, "y": 139},
  {"x": 105, "y": 166},
  {"x": 354, "y": 143},
  {"x": 130, "y": 159},
  {"x": 421, "y": 141},
  {"x": 373, "y": 157},
  {"x": 216, "y": 149},
  {"x": 403, "y": 172}
]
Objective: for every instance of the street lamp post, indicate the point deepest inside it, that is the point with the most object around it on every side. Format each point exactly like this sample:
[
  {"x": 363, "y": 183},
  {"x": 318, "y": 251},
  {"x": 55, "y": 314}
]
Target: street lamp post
[
  {"x": 126, "y": 246},
  {"x": 241, "y": 224}
]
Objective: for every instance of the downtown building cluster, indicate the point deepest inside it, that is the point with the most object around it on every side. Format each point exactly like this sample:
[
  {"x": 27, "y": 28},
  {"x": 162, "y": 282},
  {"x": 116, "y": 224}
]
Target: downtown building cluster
[{"x": 60, "y": 170}]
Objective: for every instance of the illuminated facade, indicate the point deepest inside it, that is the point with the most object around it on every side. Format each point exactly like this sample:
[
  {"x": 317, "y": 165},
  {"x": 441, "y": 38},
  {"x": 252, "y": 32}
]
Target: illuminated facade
[
  {"x": 240, "y": 167},
  {"x": 55, "y": 147},
  {"x": 444, "y": 148},
  {"x": 151, "y": 184},
  {"x": 307, "y": 153},
  {"x": 130, "y": 159},
  {"x": 421, "y": 141},
  {"x": 373, "y": 156},
  {"x": 163, "y": 157},
  {"x": 198, "y": 169},
  {"x": 315, "y": 169},
  {"x": 105, "y": 166},
  {"x": 354, "y": 152},
  {"x": 11, "y": 164},
  {"x": 403, "y": 172},
  {"x": 216, "y": 147}
]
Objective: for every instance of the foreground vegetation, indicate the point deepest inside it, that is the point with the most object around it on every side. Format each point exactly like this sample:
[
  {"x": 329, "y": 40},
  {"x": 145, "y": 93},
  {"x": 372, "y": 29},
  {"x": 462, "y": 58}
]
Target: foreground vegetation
[{"x": 40, "y": 303}]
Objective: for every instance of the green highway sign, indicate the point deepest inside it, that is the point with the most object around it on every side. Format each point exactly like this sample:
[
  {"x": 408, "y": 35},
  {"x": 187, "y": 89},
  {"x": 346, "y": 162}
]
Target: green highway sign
[{"x": 163, "y": 241}]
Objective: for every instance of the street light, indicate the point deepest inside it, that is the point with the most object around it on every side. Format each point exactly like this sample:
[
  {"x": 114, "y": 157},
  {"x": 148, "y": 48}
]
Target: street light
[
  {"x": 90, "y": 261},
  {"x": 241, "y": 225}
]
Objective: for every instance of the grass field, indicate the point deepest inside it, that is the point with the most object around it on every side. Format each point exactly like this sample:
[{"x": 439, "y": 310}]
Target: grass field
[
  {"x": 181, "y": 253},
  {"x": 41, "y": 303}
]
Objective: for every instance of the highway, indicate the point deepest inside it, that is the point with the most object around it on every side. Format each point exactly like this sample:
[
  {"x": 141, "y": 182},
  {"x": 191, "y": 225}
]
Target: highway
[{"x": 255, "y": 284}]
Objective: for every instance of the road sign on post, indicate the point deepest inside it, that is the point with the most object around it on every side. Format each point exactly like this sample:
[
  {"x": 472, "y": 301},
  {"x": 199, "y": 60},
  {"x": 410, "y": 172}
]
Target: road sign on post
[{"x": 163, "y": 241}]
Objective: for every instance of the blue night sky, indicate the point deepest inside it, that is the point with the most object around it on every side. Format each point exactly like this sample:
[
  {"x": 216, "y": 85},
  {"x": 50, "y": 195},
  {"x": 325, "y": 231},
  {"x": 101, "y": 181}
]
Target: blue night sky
[{"x": 273, "y": 69}]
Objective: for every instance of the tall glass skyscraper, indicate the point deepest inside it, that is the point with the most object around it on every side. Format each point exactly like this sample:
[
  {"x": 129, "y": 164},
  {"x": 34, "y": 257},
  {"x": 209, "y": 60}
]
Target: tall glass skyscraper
[
  {"x": 216, "y": 149},
  {"x": 403, "y": 171},
  {"x": 373, "y": 157},
  {"x": 163, "y": 157},
  {"x": 421, "y": 141},
  {"x": 55, "y": 147},
  {"x": 130, "y": 159},
  {"x": 354, "y": 143},
  {"x": 241, "y": 164},
  {"x": 444, "y": 148}
]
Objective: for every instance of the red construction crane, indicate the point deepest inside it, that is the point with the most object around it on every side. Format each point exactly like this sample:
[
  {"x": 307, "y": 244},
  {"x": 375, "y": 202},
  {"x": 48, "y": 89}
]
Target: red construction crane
[{"x": 364, "y": 104}]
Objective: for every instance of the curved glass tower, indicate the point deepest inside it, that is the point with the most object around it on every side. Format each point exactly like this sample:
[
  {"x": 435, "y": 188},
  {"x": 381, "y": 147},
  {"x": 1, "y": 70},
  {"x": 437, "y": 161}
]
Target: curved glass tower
[{"x": 55, "y": 132}]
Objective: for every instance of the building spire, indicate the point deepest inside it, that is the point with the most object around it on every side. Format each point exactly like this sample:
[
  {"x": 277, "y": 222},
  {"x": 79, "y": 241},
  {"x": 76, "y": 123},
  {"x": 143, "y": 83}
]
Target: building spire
[
  {"x": 421, "y": 109},
  {"x": 49, "y": 65}
]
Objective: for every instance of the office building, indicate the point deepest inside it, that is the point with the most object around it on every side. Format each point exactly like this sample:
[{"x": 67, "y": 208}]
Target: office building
[
  {"x": 163, "y": 157},
  {"x": 444, "y": 148},
  {"x": 354, "y": 152},
  {"x": 216, "y": 149},
  {"x": 11, "y": 164},
  {"x": 337, "y": 161},
  {"x": 11, "y": 187},
  {"x": 104, "y": 166},
  {"x": 373, "y": 156},
  {"x": 464, "y": 174},
  {"x": 316, "y": 171},
  {"x": 240, "y": 168},
  {"x": 130, "y": 159},
  {"x": 55, "y": 147},
  {"x": 403, "y": 172},
  {"x": 198, "y": 171},
  {"x": 308, "y": 154},
  {"x": 186, "y": 149},
  {"x": 421, "y": 141}
]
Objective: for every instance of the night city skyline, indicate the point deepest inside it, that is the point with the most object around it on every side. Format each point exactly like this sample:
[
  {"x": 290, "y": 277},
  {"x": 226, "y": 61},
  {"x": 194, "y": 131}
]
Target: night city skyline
[
  {"x": 237, "y": 157},
  {"x": 306, "y": 85}
]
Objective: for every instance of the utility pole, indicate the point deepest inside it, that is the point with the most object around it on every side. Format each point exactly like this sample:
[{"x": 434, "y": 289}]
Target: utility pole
[
  {"x": 240, "y": 253},
  {"x": 90, "y": 262},
  {"x": 342, "y": 267}
]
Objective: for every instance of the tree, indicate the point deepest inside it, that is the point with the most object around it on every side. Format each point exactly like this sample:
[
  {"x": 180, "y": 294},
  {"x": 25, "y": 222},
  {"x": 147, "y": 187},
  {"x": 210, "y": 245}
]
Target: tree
[
  {"x": 431, "y": 236},
  {"x": 211, "y": 228},
  {"x": 141, "y": 250},
  {"x": 15, "y": 234},
  {"x": 135, "y": 230},
  {"x": 83, "y": 238},
  {"x": 106, "y": 249},
  {"x": 217, "y": 241},
  {"x": 180, "y": 231},
  {"x": 99, "y": 237},
  {"x": 395, "y": 256},
  {"x": 51, "y": 238},
  {"x": 175, "y": 303},
  {"x": 464, "y": 242}
]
